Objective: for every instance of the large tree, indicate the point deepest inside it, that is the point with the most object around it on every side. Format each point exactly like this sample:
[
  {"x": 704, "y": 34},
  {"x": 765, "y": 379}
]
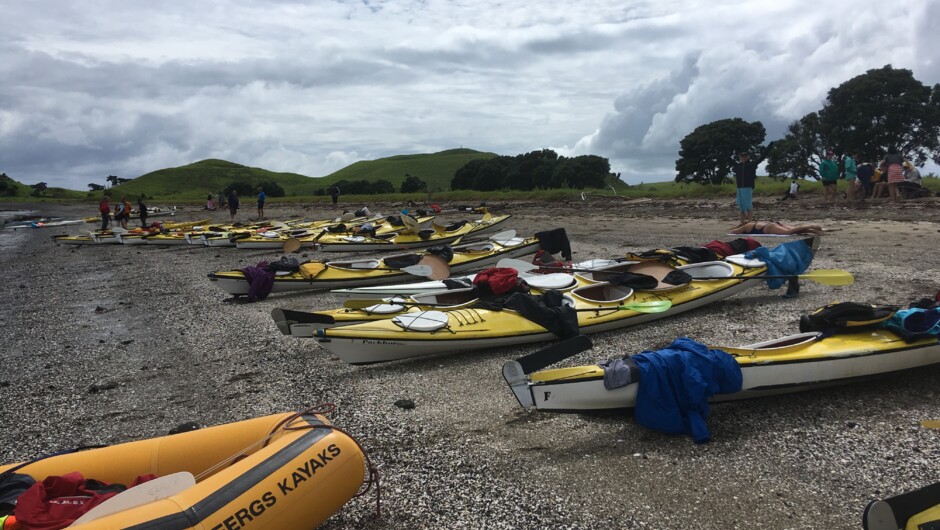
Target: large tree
[
  {"x": 705, "y": 154},
  {"x": 798, "y": 154},
  {"x": 882, "y": 108}
]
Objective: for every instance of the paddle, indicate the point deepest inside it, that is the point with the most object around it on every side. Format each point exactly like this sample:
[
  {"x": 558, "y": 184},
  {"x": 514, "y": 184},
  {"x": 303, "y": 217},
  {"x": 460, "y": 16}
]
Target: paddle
[
  {"x": 653, "y": 306},
  {"x": 822, "y": 276},
  {"x": 554, "y": 353},
  {"x": 150, "y": 491},
  {"x": 292, "y": 245}
]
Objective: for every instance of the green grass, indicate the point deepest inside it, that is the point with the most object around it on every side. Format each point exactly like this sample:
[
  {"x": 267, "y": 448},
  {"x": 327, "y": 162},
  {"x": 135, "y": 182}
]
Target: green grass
[
  {"x": 212, "y": 174},
  {"x": 436, "y": 169}
]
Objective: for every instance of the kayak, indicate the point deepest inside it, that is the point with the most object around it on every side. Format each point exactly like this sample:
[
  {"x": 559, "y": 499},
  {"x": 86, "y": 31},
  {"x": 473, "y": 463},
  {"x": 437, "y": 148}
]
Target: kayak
[
  {"x": 599, "y": 306},
  {"x": 411, "y": 238},
  {"x": 556, "y": 280},
  {"x": 299, "y": 323},
  {"x": 788, "y": 364},
  {"x": 914, "y": 510},
  {"x": 307, "y": 236},
  {"x": 258, "y": 473},
  {"x": 315, "y": 274}
]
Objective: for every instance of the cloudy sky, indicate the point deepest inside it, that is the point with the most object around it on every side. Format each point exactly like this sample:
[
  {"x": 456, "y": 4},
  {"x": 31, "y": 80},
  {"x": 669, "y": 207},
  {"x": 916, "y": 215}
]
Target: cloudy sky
[{"x": 125, "y": 87}]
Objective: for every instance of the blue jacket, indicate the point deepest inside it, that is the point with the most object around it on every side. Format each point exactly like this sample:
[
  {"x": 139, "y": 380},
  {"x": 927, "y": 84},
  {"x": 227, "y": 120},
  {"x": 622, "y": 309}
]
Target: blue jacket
[
  {"x": 676, "y": 382},
  {"x": 792, "y": 257}
]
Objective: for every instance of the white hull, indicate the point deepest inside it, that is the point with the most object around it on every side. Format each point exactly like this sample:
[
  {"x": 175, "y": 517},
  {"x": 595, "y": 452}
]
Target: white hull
[
  {"x": 165, "y": 242},
  {"x": 383, "y": 247},
  {"x": 218, "y": 242},
  {"x": 133, "y": 240},
  {"x": 758, "y": 379}
]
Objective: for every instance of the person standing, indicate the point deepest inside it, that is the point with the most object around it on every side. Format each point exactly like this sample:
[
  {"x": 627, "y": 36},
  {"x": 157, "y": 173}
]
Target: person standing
[
  {"x": 865, "y": 174},
  {"x": 142, "y": 209},
  {"x": 829, "y": 174},
  {"x": 851, "y": 176},
  {"x": 232, "y": 203},
  {"x": 127, "y": 212},
  {"x": 334, "y": 193},
  {"x": 261, "y": 198},
  {"x": 745, "y": 175},
  {"x": 221, "y": 201},
  {"x": 893, "y": 166},
  {"x": 105, "y": 208}
]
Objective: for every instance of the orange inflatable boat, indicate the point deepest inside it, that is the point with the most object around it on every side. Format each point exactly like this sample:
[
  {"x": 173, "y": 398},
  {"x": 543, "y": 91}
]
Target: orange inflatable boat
[{"x": 289, "y": 470}]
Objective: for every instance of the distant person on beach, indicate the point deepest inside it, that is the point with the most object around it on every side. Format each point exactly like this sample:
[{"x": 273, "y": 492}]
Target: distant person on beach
[
  {"x": 912, "y": 174},
  {"x": 233, "y": 203},
  {"x": 829, "y": 174},
  {"x": 126, "y": 206},
  {"x": 893, "y": 164},
  {"x": 775, "y": 227},
  {"x": 105, "y": 208},
  {"x": 334, "y": 193},
  {"x": 220, "y": 202},
  {"x": 210, "y": 202},
  {"x": 865, "y": 173},
  {"x": 261, "y": 198},
  {"x": 879, "y": 183},
  {"x": 791, "y": 191},
  {"x": 142, "y": 209},
  {"x": 851, "y": 176},
  {"x": 745, "y": 175}
]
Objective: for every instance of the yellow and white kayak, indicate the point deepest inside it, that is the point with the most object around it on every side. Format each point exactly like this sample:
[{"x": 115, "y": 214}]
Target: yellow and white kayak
[
  {"x": 289, "y": 470},
  {"x": 410, "y": 238},
  {"x": 914, "y": 510},
  {"x": 788, "y": 364},
  {"x": 600, "y": 306},
  {"x": 307, "y": 235},
  {"x": 332, "y": 274}
]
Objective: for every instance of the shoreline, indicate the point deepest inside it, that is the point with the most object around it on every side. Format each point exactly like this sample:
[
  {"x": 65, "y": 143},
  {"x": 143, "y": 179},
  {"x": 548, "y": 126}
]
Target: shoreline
[{"x": 165, "y": 348}]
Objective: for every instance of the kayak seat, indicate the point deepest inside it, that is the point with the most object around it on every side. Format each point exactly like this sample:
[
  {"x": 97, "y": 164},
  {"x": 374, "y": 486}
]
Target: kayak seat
[{"x": 602, "y": 293}]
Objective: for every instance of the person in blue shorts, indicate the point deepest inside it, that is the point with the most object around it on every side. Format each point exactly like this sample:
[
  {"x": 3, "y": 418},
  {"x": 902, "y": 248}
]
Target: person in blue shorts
[{"x": 261, "y": 198}]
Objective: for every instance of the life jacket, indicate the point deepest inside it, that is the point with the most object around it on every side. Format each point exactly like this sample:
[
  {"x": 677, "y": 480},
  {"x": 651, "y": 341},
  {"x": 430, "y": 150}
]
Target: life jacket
[
  {"x": 103, "y": 207},
  {"x": 498, "y": 280},
  {"x": 846, "y": 317}
]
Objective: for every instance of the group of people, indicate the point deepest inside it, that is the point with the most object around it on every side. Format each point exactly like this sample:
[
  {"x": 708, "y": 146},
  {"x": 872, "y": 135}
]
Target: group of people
[
  {"x": 122, "y": 212},
  {"x": 233, "y": 203},
  {"x": 864, "y": 179}
]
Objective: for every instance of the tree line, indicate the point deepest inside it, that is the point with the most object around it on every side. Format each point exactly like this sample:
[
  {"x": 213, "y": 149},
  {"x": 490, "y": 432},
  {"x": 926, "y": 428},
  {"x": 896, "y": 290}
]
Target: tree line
[
  {"x": 882, "y": 108},
  {"x": 534, "y": 170}
]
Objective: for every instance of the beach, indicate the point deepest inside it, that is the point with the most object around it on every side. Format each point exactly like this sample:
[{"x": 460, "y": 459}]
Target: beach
[{"x": 107, "y": 344}]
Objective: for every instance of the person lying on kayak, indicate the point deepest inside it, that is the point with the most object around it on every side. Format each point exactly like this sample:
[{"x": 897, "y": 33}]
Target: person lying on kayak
[{"x": 775, "y": 227}]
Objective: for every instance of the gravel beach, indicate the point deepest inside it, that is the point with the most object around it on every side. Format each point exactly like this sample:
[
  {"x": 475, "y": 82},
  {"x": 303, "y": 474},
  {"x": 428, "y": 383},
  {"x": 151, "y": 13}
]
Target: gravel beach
[{"x": 106, "y": 344}]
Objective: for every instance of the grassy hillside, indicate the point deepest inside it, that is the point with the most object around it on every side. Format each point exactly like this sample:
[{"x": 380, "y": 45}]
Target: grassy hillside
[
  {"x": 436, "y": 169},
  {"x": 197, "y": 180},
  {"x": 12, "y": 190}
]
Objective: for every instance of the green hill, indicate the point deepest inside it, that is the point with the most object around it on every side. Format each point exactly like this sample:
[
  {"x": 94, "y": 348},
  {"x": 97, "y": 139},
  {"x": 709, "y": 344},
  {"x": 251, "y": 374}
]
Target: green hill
[
  {"x": 436, "y": 169},
  {"x": 196, "y": 180},
  {"x": 13, "y": 190}
]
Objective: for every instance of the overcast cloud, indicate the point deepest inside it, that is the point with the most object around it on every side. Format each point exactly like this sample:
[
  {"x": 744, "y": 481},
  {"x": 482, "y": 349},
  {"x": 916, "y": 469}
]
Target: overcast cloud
[{"x": 125, "y": 87}]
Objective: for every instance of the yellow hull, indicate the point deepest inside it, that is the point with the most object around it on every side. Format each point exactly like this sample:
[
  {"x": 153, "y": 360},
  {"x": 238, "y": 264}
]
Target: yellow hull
[{"x": 279, "y": 471}]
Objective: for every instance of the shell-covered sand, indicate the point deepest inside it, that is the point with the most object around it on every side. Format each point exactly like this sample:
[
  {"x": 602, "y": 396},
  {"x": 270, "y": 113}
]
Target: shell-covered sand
[{"x": 105, "y": 344}]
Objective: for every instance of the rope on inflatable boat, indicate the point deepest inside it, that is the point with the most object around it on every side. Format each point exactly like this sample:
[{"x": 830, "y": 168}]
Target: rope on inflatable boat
[
  {"x": 285, "y": 424},
  {"x": 325, "y": 409}
]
